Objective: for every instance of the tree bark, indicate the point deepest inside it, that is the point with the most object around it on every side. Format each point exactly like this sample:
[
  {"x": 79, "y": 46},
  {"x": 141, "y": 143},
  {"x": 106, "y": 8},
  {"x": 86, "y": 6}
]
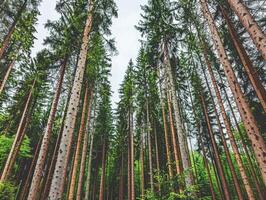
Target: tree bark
[
  {"x": 101, "y": 194},
  {"x": 35, "y": 184},
  {"x": 84, "y": 148},
  {"x": 228, "y": 130},
  {"x": 227, "y": 153},
  {"x": 18, "y": 138},
  {"x": 10, "y": 67},
  {"x": 173, "y": 135},
  {"x": 178, "y": 121},
  {"x": 166, "y": 137},
  {"x": 215, "y": 151},
  {"x": 142, "y": 166},
  {"x": 255, "y": 32},
  {"x": 246, "y": 150},
  {"x": 88, "y": 180},
  {"x": 245, "y": 112},
  {"x": 157, "y": 156},
  {"x": 132, "y": 154},
  {"x": 246, "y": 62},
  {"x": 66, "y": 140},
  {"x": 78, "y": 147},
  {"x": 12, "y": 29},
  {"x": 30, "y": 174}
]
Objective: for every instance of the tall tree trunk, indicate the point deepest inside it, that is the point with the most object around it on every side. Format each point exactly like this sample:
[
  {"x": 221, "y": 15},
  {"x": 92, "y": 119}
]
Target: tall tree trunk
[
  {"x": 78, "y": 147},
  {"x": 35, "y": 184},
  {"x": 245, "y": 112},
  {"x": 12, "y": 29},
  {"x": 121, "y": 181},
  {"x": 202, "y": 148},
  {"x": 18, "y": 138},
  {"x": 178, "y": 121},
  {"x": 142, "y": 166},
  {"x": 66, "y": 140},
  {"x": 129, "y": 168},
  {"x": 173, "y": 135},
  {"x": 88, "y": 180},
  {"x": 246, "y": 150},
  {"x": 84, "y": 149},
  {"x": 101, "y": 194},
  {"x": 48, "y": 180},
  {"x": 206, "y": 163},
  {"x": 246, "y": 62},
  {"x": 149, "y": 146},
  {"x": 228, "y": 129},
  {"x": 255, "y": 32},
  {"x": 131, "y": 126},
  {"x": 25, "y": 188},
  {"x": 157, "y": 155},
  {"x": 215, "y": 151},
  {"x": 226, "y": 150},
  {"x": 166, "y": 137},
  {"x": 10, "y": 67}
]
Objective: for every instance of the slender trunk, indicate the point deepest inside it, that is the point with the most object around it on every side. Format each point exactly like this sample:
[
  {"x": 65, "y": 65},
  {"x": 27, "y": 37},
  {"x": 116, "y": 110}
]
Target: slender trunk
[
  {"x": 149, "y": 147},
  {"x": 18, "y": 138},
  {"x": 66, "y": 140},
  {"x": 157, "y": 156},
  {"x": 101, "y": 195},
  {"x": 12, "y": 29},
  {"x": 88, "y": 180},
  {"x": 203, "y": 150},
  {"x": 3, "y": 83},
  {"x": 166, "y": 137},
  {"x": 84, "y": 149},
  {"x": 142, "y": 166},
  {"x": 78, "y": 147},
  {"x": 246, "y": 150},
  {"x": 132, "y": 156},
  {"x": 215, "y": 150},
  {"x": 173, "y": 135},
  {"x": 206, "y": 163},
  {"x": 246, "y": 62},
  {"x": 129, "y": 168},
  {"x": 35, "y": 184},
  {"x": 30, "y": 174},
  {"x": 121, "y": 184},
  {"x": 178, "y": 121},
  {"x": 245, "y": 112},
  {"x": 54, "y": 157},
  {"x": 226, "y": 150},
  {"x": 254, "y": 30},
  {"x": 228, "y": 130}
]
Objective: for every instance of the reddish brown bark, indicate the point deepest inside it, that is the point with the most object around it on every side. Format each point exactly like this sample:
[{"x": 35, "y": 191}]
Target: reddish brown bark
[
  {"x": 215, "y": 151},
  {"x": 58, "y": 181},
  {"x": 142, "y": 166},
  {"x": 84, "y": 149},
  {"x": 78, "y": 147},
  {"x": 173, "y": 135},
  {"x": 246, "y": 62},
  {"x": 227, "y": 153},
  {"x": 254, "y": 30},
  {"x": 101, "y": 194},
  {"x": 35, "y": 184},
  {"x": 248, "y": 119},
  {"x": 3, "y": 83},
  {"x": 228, "y": 129},
  {"x": 12, "y": 29},
  {"x": 18, "y": 138}
]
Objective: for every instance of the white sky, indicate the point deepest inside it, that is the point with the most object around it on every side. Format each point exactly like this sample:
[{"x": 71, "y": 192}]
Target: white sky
[{"x": 123, "y": 30}]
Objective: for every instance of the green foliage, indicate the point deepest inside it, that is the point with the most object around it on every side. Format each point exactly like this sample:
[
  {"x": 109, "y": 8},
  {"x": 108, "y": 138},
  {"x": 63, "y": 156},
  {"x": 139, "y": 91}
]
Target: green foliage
[
  {"x": 6, "y": 143},
  {"x": 7, "y": 191}
]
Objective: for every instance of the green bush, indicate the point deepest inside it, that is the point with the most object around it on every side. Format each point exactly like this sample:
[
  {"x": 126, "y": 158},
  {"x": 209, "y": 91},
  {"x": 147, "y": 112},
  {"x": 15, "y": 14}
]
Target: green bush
[{"x": 7, "y": 191}]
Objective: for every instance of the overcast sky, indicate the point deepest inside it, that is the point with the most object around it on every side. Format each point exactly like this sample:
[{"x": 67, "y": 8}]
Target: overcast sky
[{"x": 123, "y": 30}]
